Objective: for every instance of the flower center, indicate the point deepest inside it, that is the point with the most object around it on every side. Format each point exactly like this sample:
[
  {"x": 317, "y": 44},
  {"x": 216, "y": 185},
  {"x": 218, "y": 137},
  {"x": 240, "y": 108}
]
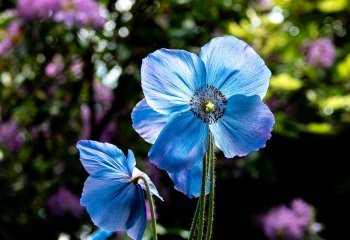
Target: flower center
[
  {"x": 208, "y": 104},
  {"x": 209, "y": 107}
]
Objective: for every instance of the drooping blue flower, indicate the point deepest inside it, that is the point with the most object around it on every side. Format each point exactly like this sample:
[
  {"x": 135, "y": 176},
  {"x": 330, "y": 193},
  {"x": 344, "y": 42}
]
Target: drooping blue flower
[
  {"x": 113, "y": 199},
  {"x": 186, "y": 96}
]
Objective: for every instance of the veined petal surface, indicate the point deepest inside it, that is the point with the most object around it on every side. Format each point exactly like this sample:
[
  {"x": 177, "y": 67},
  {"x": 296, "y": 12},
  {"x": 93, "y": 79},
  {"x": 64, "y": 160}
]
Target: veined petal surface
[
  {"x": 245, "y": 127},
  {"x": 169, "y": 79},
  {"x": 137, "y": 222},
  {"x": 181, "y": 144},
  {"x": 148, "y": 122},
  {"x": 233, "y": 67},
  {"x": 102, "y": 160},
  {"x": 131, "y": 161},
  {"x": 109, "y": 202},
  {"x": 189, "y": 181}
]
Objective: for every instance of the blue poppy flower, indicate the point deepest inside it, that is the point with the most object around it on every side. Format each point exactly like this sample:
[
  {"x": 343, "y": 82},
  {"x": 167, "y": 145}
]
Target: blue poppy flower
[
  {"x": 113, "y": 199},
  {"x": 186, "y": 96}
]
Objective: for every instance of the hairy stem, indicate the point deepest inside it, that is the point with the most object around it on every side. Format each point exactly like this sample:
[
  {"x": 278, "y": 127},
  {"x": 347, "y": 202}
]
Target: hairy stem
[
  {"x": 194, "y": 221},
  {"x": 203, "y": 198},
  {"x": 212, "y": 160},
  {"x": 151, "y": 206}
]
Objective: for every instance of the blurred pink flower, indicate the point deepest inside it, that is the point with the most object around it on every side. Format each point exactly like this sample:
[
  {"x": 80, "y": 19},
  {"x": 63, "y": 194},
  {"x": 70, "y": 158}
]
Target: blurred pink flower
[
  {"x": 303, "y": 210},
  {"x": 320, "y": 52},
  {"x": 37, "y": 9},
  {"x": 292, "y": 223},
  {"x": 79, "y": 13},
  {"x": 281, "y": 221},
  {"x": 76, "y": 67},
  {"x": 103, "y": 97},
  {"x": 55, "y": 67},
  {"x": 103, "y": 94},
  {"x": 12, "y": 37},
  {"x": 109, "y": 130},
  {"x": 10, "y": 136}
]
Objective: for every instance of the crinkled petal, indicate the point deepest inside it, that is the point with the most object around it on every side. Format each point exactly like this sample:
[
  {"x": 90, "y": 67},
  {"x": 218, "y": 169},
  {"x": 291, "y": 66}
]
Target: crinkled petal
[
  {"x": 109, "y": 202},
  {"x": 138, "y": 218},
  {"x": 245, "y": 127},
  {"x": 102, "y": 160},
  {"x": 181, "y": 144},
  {"x": 100, "y": 234},
  {"x": 147, "y": 122},
  {"x": 234, "y": 67},
  {"x": 189, "y": 181},
  {"x": 152, "y": 187},
  {"x": 169, "y": 79}
]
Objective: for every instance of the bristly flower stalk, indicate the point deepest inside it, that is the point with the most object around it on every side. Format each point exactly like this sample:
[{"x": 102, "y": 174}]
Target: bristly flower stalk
[
  {"x": 151, "y": 205},
  {"x": 212, "y": 160}
]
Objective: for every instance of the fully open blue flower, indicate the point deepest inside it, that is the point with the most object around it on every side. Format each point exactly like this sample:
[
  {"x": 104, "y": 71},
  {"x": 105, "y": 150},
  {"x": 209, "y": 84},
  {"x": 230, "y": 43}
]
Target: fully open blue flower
[
  {"x": 186, "y": 96},
  {"x": 113, "y": 199}
]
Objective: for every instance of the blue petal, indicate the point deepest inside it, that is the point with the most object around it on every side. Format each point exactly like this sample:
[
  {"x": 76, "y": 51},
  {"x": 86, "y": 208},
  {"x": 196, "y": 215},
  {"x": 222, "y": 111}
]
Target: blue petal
[
  {"x": 102, "y": 160},
  {"x": 152, "y": 187},
  {"x": 100, "y": 234},
  {"x": 234, "y": 67},
  {"x": 181, "y": 144},
  {"x": 109, "y": 202},
  {"x": 138, "y": 218},
  {"x": 189, "y": 181},
  {"x": 245, "y": 127},
  {"x": 147, "y": 122},
  {"x": 131, "y": 161},
  {"x": 169, "y": 79}
]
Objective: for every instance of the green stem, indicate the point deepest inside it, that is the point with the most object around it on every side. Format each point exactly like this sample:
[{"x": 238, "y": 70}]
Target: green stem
[
  {"x": 194, "y": 221},
  {"x": 151, "y": 205},
  {"x": 203, "y": 198},
  {"x": 212, "y": 188}
]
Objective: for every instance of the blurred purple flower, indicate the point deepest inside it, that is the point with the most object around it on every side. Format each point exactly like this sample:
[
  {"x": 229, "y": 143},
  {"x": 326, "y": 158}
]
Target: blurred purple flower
[
  {"x": 14, "y": 29},
  {"x": 103, "y": 95},
  {"x": 55, "y": 67},
  {"x": 320, "y": 52},
  {"x": 42, "y": 130},
  {"x": 5, "y": 46},
  {"x": 281, "y": 222},
  {"x": 303, "y": 210},
  {"x": 79, "y": 13},
  {"x": 10, "y": 136},
  {"x": 64, "y": 201},
  {"x": 108, "y": 132},
  {"x": 37, "y": 9},
  {"x": 71, "y": 13},
  {"x": 12, "y": 36},
  {"x": 76, "y": 68},
  {"x": 292, "y": 223}
]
